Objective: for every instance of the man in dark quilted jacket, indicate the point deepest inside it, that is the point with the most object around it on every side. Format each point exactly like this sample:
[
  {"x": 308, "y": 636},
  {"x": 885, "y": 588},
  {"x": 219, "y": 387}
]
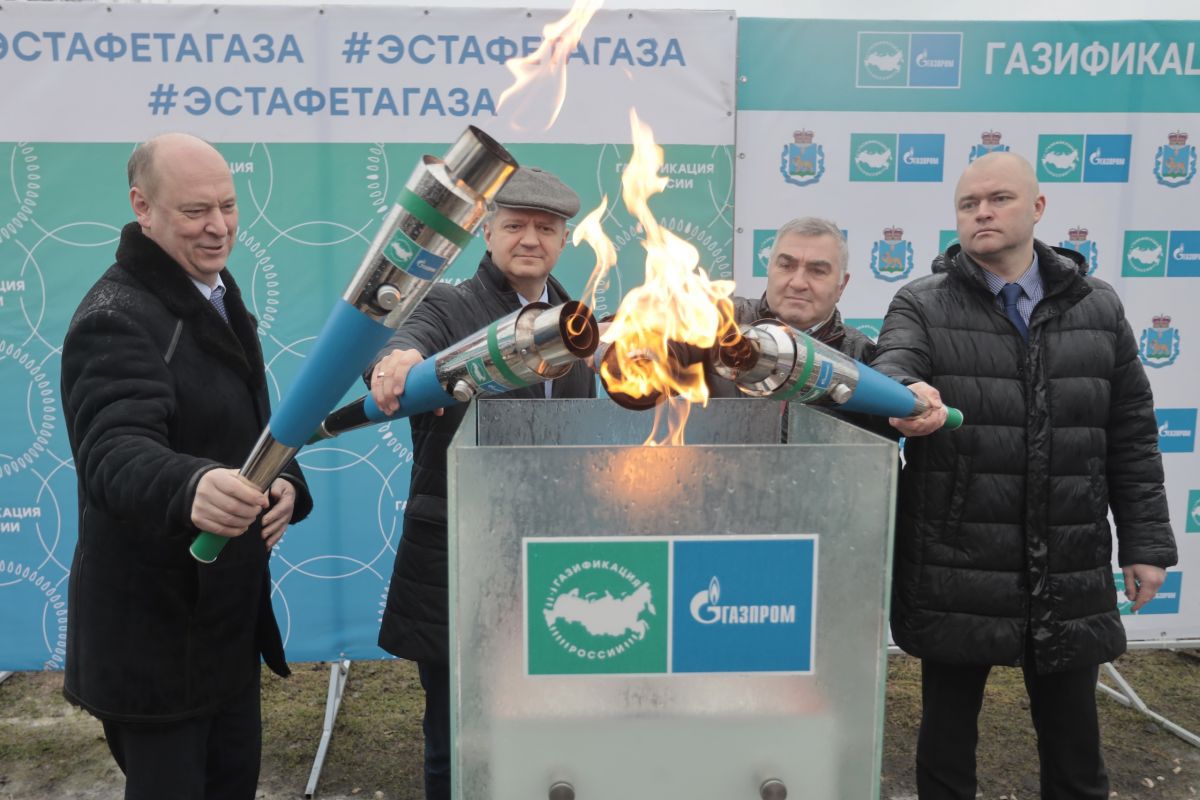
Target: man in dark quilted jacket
[{"x": 1003, "y": 547}]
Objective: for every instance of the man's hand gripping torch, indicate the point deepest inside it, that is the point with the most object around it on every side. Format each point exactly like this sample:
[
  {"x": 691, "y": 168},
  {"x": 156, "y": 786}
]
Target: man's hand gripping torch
[
  {"x": 773, "y": 359},
  {"x": 538, "y": 343},
  {"x": 433, "y": 219}
]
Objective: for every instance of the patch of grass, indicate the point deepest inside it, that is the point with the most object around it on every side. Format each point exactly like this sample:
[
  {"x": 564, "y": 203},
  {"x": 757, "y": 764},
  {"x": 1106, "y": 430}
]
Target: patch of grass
[
  {"x": 51, "y": 751},
  {"x": 377, "y": 745}
]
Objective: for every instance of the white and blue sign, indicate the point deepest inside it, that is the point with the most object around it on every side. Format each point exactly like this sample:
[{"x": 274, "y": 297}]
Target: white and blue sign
[
  {"x": 1107, "y": 158},
  {"x": 1176, "y": 429},
  {"x": 1183, "y": 260},
  {"x": 901, "y": 60},
  {"x": 936, "y": 60},
  {"x": 744, "y": 604},
  {"x": 921, "y": 157}
]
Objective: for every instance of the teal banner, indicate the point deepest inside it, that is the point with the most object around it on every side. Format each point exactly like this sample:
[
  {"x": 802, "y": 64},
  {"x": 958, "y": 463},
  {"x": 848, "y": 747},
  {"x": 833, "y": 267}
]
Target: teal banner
[
  {"x": 871, "y": 65},
  {"x": 307, "y": 214}
]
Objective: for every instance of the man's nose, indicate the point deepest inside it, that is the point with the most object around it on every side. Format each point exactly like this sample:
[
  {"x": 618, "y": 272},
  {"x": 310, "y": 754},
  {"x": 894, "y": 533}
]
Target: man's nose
[
  {"x": 529, "y": 237},
  {"x": 216, "y": 223}
]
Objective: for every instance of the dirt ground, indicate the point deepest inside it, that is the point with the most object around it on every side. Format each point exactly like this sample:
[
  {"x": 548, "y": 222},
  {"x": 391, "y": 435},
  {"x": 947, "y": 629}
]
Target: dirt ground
[{"x": 49, "y": 750}]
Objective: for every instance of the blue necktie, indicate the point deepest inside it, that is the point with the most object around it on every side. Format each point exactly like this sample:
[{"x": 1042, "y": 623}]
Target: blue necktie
[
  {"x": 1010, "y": 293},
  {"x": 217, "y": 298}
]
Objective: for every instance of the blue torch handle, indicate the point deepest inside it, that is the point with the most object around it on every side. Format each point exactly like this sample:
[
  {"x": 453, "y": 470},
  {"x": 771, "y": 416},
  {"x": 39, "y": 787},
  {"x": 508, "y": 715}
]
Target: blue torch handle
[
  {"x": 880, "y": 395},
  {"x": 349, "y": 340},
  {"x": 423, "y": 392}
]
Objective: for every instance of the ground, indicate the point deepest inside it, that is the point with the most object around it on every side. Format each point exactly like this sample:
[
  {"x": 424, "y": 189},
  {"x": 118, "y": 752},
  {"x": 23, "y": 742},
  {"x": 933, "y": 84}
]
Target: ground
[{"x": 49, "y": 750}]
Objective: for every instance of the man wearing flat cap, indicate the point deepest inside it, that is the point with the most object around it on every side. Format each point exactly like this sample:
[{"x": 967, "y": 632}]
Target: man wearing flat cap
[{"x": 525, "y": 236}]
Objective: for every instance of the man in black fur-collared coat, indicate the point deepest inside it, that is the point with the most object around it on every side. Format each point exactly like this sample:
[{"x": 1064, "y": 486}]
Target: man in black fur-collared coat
[{"x": 164, "y": 394}]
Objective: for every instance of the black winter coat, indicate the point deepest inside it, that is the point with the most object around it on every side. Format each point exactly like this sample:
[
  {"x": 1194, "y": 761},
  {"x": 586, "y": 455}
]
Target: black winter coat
[
  {"x": 415, "y": 620},
  {"x": 1002, "y": 537},
  {"x": 157, "y": 390}
]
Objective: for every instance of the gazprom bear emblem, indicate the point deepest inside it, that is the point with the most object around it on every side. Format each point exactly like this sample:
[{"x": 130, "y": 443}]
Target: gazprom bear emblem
[
  {"x": 1077, "y": 240},
  {"x": 989, "y": 142},
  {"x": 1175, "y": 161},
  {"x": 803, "y": 161},
  {"x": 1159, "y": 345},
  {"x": 892, "y": 256}
]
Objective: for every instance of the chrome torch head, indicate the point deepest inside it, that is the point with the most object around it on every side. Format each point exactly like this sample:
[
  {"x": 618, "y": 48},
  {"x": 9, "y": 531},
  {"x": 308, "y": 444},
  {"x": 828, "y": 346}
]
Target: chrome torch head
[
  {"x": 534, "y": 344},
  {"x": 435, "y": 216}
]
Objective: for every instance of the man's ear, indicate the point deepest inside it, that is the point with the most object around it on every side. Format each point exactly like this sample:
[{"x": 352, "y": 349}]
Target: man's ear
[
  {"x": 140, "y": 205},
  {"x": 487, "y": 233}
]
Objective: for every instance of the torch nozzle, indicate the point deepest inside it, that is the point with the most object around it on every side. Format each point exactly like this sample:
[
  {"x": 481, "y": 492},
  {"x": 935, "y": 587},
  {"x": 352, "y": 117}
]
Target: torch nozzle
[
  {"x": 736, "y": 352},
  {"x": 680, "y": 356},
  {"x": 579, "y": 330}
]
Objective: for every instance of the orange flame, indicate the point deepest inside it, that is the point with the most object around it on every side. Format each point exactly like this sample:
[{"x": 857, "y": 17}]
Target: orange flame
[
  {"x": 677, "y": 303},
  {"x": 591, "y": 230},
  {"x": 559, "y": 40}
]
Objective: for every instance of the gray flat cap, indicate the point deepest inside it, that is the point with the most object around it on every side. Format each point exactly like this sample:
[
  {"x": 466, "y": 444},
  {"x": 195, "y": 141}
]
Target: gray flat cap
[{"x": 536, "y": 189}]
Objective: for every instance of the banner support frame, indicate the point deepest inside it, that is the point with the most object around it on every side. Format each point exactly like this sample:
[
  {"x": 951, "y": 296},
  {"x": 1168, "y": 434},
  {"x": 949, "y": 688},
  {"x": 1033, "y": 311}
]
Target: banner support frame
[{"x": 339, "y": 671}]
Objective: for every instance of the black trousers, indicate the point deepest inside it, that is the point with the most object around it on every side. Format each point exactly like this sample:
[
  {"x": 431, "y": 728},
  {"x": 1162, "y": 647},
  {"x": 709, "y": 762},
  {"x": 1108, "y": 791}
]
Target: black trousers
[
  {"x": 205, "y": 758},
  {"x": 1063, "y": 707},
  {"x": 435, "y": 680}
]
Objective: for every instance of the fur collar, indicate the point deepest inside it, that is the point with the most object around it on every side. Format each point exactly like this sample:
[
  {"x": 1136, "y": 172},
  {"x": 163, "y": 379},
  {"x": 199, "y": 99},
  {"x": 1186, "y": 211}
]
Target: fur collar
[{"x": 236, "y": 343}]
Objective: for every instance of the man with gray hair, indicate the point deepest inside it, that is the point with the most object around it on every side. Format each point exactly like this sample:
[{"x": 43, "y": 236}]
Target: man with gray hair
[{"x": 806, "y": 275}]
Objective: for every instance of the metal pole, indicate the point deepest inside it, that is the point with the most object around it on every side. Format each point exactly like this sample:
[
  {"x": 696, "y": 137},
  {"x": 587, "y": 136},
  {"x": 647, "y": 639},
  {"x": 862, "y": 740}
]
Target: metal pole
[
  {"x": 1128, "y": 697},
  {"x": 338, "y": 671}
]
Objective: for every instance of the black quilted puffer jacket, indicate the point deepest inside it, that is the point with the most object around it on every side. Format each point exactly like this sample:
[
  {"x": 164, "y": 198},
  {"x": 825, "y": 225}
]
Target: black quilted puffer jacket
[{"x": 1003, "y": 546}]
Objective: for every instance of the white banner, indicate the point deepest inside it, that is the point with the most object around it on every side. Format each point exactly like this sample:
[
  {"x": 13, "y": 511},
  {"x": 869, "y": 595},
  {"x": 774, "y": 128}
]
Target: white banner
[{"x": 352, "y": 74}]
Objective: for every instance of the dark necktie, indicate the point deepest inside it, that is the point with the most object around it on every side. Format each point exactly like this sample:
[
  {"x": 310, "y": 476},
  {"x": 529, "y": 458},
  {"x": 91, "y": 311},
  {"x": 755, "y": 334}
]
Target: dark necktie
[
  {"x": 217, "y": 298},
  {"x": 1010, "y": 294}
]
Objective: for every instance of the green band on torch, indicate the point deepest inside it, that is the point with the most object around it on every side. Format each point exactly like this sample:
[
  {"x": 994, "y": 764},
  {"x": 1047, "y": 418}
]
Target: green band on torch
[
  {"x": 808, "y": 368},
  {"x": 207, "y": 546},
  {"x": 432, "y": 218},
  {"x": 498, "y": 359}
]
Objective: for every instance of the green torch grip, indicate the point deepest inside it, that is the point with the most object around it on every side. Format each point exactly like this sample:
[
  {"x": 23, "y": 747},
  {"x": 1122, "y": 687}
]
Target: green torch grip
[
  {"x": 954, "y": 419},
  {"x": 208, "y": 546}
]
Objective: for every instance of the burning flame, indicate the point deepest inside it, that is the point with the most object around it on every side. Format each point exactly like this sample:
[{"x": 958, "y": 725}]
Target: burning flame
[
  {"x": 676, "y": 305},
  {"x": 559, "y": 40}
]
